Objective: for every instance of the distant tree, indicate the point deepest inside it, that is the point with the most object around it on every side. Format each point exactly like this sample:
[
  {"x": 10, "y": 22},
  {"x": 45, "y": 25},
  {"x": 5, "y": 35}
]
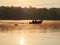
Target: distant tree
[
  {"x": 53, "y": 13},
  {"x": 18, "y": 13}
]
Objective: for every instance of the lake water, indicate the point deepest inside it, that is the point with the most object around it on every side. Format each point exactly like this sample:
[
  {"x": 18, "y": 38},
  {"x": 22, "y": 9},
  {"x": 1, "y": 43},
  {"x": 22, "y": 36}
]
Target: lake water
[{"x": 47, "y": 33}]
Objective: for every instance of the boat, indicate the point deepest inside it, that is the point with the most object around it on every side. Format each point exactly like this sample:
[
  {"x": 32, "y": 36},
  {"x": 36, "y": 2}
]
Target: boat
[
  {"x": 16, "y": 24},
  {"x": 36, "y": 22}
]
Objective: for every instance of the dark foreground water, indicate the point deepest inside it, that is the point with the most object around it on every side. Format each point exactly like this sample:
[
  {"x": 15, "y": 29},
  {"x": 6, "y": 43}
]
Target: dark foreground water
[{"x": 47, "y": 33}]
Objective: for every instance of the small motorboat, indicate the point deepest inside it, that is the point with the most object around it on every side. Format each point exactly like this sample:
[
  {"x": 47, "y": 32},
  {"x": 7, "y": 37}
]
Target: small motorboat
[
  {"x": 36, "y": 22},
  {"x": 16, "y": 24}
]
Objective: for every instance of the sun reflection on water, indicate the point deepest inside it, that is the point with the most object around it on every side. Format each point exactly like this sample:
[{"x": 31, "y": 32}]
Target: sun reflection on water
[{"x": 21, "y": 40}]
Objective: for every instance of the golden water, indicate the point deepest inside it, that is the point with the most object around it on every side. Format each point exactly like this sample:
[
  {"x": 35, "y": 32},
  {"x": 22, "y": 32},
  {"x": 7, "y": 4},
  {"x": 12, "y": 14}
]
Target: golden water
[{"x": 47, "y": 33}]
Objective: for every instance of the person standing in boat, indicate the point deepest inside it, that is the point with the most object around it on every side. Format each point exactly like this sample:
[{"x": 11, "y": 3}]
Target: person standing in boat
[{"x": 35, "y": 21}]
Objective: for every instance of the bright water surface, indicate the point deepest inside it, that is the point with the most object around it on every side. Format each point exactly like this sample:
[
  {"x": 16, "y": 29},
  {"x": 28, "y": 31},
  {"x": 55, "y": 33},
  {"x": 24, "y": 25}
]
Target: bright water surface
[{"x": 47, "y": 33}]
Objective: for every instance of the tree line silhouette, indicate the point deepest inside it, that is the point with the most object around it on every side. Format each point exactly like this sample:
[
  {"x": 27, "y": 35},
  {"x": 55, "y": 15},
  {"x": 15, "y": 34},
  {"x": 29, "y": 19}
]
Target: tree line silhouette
[{"x": 18, "y": 13}]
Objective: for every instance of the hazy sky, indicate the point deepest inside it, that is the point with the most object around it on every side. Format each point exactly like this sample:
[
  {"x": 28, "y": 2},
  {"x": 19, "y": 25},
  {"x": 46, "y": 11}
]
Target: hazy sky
[{"x": 34, "y": 3}]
